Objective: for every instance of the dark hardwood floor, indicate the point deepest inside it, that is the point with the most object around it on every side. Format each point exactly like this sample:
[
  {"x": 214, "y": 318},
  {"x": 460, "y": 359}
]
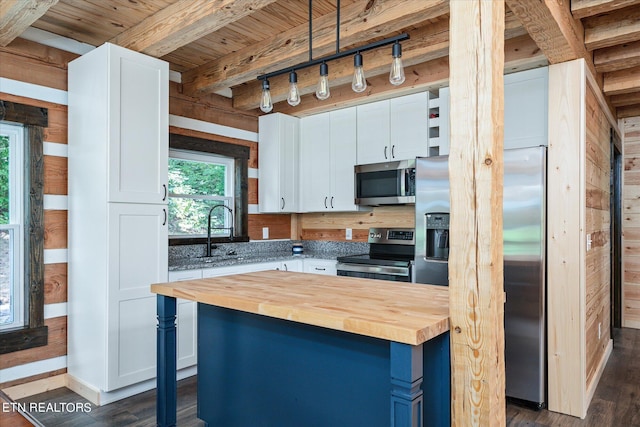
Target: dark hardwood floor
[{"x": 616, "y": 402}]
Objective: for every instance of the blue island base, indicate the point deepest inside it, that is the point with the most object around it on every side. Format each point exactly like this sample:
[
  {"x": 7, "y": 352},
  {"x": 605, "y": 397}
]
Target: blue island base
[{"x": 258, "y": 371}]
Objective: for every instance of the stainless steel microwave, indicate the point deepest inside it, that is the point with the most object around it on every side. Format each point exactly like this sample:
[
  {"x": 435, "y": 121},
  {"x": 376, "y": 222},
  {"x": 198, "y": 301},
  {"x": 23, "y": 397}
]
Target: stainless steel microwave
[{"x": 389, "y": 183}]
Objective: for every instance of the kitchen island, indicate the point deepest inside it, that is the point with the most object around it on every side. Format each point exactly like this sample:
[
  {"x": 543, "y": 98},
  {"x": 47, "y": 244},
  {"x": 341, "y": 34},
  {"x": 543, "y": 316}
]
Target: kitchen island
[{"x": 284, "y": 349}]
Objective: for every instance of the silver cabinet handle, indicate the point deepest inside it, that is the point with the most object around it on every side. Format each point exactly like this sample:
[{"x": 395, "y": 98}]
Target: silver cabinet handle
[
  {"x": 331, "y": 202},
  {"x": 385, "y": 152},
  {"x": 325, "y": 203},
  {"x": 393, "y": 149},
  {"x": 320, "y": 269},
  {"x": 282, "y": 203}
]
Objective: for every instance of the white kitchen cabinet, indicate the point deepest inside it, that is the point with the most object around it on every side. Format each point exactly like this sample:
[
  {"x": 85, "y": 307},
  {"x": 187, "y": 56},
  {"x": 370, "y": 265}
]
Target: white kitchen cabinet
[
  {"x": 278, "y": 144},
  {"x": 320, "y": 266},
  {"x": 394, "y": 129},
  {"x": 186, "y": 321},
  {"x": 118, "y": 233},
  {"x": 292, "y": 265},
  {"x": 327, "y": 158}
]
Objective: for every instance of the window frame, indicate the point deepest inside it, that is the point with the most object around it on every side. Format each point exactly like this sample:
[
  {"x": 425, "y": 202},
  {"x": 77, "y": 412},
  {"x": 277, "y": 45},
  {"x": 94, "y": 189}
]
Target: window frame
[
  {"x": 240, "y": 155},
  {"x": 34, "y": 333},
  {"x": 15, "y": 133},
  {"x": 227, "y": 199}
]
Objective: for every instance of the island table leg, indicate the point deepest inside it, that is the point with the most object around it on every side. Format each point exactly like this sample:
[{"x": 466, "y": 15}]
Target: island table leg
[
  {"x": 406, "y": 382},
  {"x": 166, "y": 388}
]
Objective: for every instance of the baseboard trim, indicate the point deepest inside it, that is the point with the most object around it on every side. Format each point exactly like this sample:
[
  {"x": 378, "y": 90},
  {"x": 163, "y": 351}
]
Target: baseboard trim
[
  {"x": 21, "y": 391},
  {"x": 596, "y": 378},
  {"x": 85, "y": 390}
]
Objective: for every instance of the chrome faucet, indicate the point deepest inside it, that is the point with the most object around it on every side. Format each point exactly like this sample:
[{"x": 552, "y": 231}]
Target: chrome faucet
[{"x": 218, "y": 228}]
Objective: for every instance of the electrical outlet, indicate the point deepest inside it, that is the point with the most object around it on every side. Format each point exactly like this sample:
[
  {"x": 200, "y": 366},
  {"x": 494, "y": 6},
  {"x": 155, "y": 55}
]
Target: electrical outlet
[
  {"x": 599, "y": 330},
  {"x": 588, "y": 242},
  {"x": 265, "y": 232},
  {"x": 348, "y": 234}
]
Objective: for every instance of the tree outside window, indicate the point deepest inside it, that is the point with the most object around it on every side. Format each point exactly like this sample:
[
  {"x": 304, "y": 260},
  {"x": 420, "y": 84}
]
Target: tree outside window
[{"x": 197, "y": 182}]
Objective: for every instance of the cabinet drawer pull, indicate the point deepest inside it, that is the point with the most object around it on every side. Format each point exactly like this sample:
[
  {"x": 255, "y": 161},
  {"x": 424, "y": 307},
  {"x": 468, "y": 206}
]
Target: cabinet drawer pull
[
  {"x": 282, "y": 203},
  {"x": 393, "y": 149},
  {"x": 320, "y": 269},
  {"x": 331, "y": 202},
  {"x": 385, "y": 153},
  {"x": 325, "y": 203},
  {"x": 164, "y": 187},
  {"x": 164, "y": 211}
]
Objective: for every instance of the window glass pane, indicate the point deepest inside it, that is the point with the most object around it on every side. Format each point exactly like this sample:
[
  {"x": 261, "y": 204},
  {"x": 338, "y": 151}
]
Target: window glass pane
[
  {"x": 4, "y": 179},
  {"x": 196, "y": 178},
  {"x": 7, "y": 298},
  {"x": 189, "y": 217}
]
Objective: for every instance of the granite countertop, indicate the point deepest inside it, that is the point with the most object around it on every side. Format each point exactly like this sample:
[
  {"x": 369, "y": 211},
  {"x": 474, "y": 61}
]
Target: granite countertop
[
  {"x": 223, "y": 260},
  {"x": 361, "y": 306}
]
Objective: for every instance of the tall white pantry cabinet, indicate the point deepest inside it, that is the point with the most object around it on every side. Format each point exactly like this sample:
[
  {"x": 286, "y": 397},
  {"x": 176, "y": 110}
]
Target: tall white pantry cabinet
[{"x": 118, "y": 160}]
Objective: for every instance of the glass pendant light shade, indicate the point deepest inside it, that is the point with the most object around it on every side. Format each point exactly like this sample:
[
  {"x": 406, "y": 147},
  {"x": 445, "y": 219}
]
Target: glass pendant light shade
[
  {"x": 359, "y": 83},
  {"x": 322, "y": 90},
  {"x": 265, "y": 101},
  {"x": 294, "y": 94},
  {"x": 396, "y": 75}
]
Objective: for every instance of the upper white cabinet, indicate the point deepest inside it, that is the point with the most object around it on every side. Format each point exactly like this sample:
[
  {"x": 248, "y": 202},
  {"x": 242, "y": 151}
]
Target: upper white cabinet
[
  {"x": 395, "y": 129},
  {"x": 278, "y": 163},
  {"x": 327, "y": 158},
  {"x": 526, "y": 100},
  {"x": 118, "y": 244}
]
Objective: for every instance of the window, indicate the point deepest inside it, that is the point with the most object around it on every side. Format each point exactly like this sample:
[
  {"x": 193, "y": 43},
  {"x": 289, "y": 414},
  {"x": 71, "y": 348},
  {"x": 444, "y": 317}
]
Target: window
[
  {"x": 197, "y": 183},
  {"x": 11, "y": 227}
]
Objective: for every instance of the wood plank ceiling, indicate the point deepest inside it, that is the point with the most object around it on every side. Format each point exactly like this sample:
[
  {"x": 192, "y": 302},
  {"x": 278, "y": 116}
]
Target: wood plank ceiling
[{"x": 221, "y": 44}]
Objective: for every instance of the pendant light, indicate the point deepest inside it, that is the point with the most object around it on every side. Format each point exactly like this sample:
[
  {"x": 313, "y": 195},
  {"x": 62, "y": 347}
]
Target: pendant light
[
  {"x": 294, "y": 94},
  {"x": 359, "y": 83},
  {"x": 396, "y": 75},
  {"x": 265, "y": 102},
  {"x": 322, "y": 90}
]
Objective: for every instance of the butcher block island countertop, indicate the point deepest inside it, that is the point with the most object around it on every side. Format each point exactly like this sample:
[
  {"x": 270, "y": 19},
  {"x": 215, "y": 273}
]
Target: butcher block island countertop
[{"x": 402, "y": 312}]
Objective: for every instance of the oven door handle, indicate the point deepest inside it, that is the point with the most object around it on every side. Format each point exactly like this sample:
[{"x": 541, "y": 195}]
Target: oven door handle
[{"x": 379, "y": 269}]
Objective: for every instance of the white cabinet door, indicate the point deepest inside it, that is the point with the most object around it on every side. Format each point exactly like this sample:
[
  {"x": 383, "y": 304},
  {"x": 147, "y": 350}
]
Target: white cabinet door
[
  {"x": 278, "y": 163},
  {"x": 343, "y": 158},
  {"x": 409, "y": 126},
  {"x": 320, "y": 266},
  {"x": 138, "y": 127},
  {"x": 291, "y": 265},
  {"x": 186, "y": 321},
  {"x": 373, "y": 132},
  {"x": 315, "y": 163},
  {"x": 525, "y": 108},
  {"x": 137, "y": 258}
]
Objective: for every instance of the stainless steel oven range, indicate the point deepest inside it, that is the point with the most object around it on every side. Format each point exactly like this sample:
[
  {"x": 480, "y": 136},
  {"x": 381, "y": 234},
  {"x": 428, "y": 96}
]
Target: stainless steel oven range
[{"x": 390, "y": 257}]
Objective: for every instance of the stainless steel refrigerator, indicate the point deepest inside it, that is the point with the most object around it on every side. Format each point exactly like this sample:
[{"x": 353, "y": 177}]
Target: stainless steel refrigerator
[{"x": 524, "y": 210}]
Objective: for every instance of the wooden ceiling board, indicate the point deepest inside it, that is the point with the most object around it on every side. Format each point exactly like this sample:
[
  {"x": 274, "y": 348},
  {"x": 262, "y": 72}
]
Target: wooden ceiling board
[
  {"x": 612, "y": 28},
  {"x": 585, "y": 8}
]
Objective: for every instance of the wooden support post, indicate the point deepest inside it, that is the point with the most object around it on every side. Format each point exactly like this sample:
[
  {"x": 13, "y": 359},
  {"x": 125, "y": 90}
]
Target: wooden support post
[
  {"x": 167, "y": 386},
  {"x": 476, "y": 289}
]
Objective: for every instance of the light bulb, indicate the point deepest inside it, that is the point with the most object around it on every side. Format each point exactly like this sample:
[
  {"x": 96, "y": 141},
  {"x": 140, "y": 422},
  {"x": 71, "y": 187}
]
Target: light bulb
[
  {"x": 396, "y": 75},
  {"x": 294, "y": 95},
  {"x": 359, "y": 83},
  {"x": 265, "y": 102},
  {"x": 322, "y": 90}
]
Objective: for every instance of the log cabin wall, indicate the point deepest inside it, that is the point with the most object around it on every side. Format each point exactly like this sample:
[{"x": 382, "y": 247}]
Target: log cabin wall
[
  {"x": 631, "y": 223},
  {"x": 25, "y": 61}
]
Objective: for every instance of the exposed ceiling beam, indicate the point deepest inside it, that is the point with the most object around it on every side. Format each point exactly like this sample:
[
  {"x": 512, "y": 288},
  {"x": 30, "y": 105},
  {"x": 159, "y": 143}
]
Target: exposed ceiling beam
[
  {"x": 621, "y": 26},
  {"x": 554, "y": 29},
  {"x": 625, "y": 99},
  {"x": 360, "y": 22},
  {"x": 184, "y": 22},
  {"x": 630, "y": 111},
  {"x": 18, "y": 15},
  {"x": 428, "y": 42},
  {"x": 521, "y": 53},
  {"x": 614, "y": 58},
  {"x": 621, "y": 82},
  {"x": 584, "y": 8}
]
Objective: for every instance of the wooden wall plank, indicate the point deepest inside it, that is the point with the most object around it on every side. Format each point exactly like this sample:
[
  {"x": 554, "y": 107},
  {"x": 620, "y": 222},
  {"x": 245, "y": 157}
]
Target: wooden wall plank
[
  {"x": 56, "y": 346},
  {"x": 279, "y": 226},
  {"x": 55, "y": 229},
  {"x": 55, "y": 175},
  {"x": 55, "y": 283},
  {"x": 631, "y": 223}
]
